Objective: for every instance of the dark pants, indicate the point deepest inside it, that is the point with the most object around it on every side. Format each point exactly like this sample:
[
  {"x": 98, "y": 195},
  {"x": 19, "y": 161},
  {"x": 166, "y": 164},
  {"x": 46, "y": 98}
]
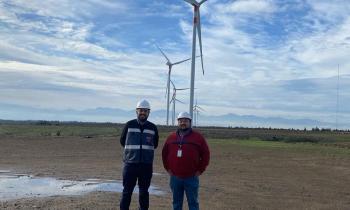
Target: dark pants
[{"x": 142, "y": 173}]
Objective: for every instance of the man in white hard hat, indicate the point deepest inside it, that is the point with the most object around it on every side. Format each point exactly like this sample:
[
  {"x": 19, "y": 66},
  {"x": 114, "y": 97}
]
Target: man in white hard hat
[
  {"x": 185, "y": 156},
  {"x": 139, "y": 139}
]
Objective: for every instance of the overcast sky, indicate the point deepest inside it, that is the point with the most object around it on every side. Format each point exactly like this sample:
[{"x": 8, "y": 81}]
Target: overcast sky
[{"x": 270, "y": 58}]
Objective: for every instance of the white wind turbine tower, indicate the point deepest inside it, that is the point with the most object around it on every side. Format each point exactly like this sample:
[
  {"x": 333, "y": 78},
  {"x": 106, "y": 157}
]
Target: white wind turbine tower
[
  {"x": 197, "y": 109},
  {"x": 170, "y": 65},
  {"x": 196, "y": 26},
  {"x": 174, "y": 99}
]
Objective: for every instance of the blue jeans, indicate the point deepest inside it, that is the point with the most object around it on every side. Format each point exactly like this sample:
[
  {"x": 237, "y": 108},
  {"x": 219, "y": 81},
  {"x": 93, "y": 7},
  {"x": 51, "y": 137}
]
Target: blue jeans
[{"x": 190, "y": 187}]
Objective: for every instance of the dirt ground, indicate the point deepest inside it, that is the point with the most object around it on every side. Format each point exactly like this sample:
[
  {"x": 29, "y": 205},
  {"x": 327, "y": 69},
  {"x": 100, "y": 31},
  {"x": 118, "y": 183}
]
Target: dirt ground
[{"x": 239, "y": 177}]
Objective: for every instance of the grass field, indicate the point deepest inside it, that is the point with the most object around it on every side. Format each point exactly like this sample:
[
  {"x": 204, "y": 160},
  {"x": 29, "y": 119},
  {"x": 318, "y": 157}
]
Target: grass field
[
  {"x": 249, "y": 168},
  {"x": 46, "y": 128}
]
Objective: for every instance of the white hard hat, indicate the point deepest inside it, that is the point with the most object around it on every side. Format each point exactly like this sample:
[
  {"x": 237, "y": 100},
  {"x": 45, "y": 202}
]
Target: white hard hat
[
  {"x": 184, "y": 115},
  {"x": 143, "y": 104}
]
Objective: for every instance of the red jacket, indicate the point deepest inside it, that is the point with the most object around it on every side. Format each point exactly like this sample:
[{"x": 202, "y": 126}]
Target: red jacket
[{"x": 194, "y": 158}]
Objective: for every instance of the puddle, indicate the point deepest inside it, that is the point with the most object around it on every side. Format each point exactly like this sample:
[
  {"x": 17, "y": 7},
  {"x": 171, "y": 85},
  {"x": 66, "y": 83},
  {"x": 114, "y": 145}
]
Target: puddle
[{"x": 15, "y": 186}]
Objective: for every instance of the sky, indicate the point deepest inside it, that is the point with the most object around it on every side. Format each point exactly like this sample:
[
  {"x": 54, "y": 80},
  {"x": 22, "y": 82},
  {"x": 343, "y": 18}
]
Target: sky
[{"x": 268, "y": 58}]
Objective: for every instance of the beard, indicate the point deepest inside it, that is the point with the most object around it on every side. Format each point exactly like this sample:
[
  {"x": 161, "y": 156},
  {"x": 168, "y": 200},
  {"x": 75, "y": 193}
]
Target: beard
[
  {"x": 142, "y": 118},
  {"x": 184, "y": 127}
]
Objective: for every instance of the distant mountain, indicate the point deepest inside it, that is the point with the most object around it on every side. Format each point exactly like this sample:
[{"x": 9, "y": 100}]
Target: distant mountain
[
  {"x": 15, "y": 112},
  {"x": 257, "y": 121}
]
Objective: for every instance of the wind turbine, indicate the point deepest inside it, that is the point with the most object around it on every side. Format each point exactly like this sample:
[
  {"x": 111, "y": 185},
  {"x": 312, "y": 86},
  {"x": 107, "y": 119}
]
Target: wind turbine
[
  {"x": 174, "y": 99},
  {"x": 170, "y": 65},
  {"x": 197, "y": 109},
  {"x": 196, "y": 26}
]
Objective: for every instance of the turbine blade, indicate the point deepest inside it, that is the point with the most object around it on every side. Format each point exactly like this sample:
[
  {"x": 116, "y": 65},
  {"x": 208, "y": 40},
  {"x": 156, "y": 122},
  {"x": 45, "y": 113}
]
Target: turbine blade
[
  {"x": 182, "y": 61},
  {"x": 182, "y": 88},
  {"x": 202, "y": 2},
  {"x": 163, "y": 53},
  {"x": 173, "y": 84},
  {"x": 200, "y": 38},
  {"x": 193, "y": 2},
  {"x": 173, "y": 97},
  {"x": 179, "y": 101},
  {"x": 200, "y": 108}
]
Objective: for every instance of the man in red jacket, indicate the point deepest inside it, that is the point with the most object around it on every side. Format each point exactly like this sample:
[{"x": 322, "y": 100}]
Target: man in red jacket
[{"x": 185, "y": 156}]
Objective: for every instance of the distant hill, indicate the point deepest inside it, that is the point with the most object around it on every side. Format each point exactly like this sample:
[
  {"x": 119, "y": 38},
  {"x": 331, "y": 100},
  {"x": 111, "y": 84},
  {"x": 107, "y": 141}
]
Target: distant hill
[{"x": 12, "y": 112}]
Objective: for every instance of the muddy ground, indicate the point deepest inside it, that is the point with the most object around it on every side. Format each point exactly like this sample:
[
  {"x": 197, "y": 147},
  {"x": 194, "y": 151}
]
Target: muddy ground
[{"x": 240, "y": 176}]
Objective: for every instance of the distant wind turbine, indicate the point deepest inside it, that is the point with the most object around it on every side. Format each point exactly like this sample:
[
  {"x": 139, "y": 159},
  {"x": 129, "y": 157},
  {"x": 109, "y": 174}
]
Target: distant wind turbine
[
  {"x": 197, "y": 109},
  {"x": 170, "y": 65},
  {"x": 196, "y": 26},
  {"x": 174, "y": 99}
]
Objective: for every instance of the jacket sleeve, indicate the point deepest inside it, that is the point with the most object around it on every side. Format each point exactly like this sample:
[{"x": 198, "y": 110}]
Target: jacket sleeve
[
  {"x": 204, "y": 155},
  {"x": 165, "y": 155},
  {"x": 123, "y": 135},
  {"x": 156, "y": 137}
]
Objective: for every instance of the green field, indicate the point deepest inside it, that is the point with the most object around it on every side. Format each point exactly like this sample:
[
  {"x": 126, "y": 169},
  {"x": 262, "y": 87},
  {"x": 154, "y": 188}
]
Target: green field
[
  {"x": 44, "y": 128},
  {"x": 324, "y": 142}
]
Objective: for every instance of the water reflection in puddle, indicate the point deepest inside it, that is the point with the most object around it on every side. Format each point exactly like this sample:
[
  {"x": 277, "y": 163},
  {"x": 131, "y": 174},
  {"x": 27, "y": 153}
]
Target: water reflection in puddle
[{"x": 15, "y": 186}]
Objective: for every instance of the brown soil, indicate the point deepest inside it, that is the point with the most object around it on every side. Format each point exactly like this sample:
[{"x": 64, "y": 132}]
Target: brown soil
[{"x": 238, "y": 177}]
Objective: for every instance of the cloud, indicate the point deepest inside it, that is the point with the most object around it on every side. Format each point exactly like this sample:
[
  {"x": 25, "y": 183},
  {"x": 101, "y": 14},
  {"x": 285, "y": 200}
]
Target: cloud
[
  {"x": 261, "y": 57},
  {"x": 67, "y": 9},
  {"x": 250, "y": 6}
]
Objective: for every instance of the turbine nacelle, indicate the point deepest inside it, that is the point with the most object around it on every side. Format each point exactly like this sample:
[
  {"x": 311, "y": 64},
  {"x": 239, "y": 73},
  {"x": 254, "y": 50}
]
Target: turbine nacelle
[{"x": 195, "y": 3}]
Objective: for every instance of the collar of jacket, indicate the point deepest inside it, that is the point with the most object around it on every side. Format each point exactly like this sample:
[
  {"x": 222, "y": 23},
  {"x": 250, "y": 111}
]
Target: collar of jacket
[
  {"x": 140, "y": 122},
  {"x": 179, "y": 132}
]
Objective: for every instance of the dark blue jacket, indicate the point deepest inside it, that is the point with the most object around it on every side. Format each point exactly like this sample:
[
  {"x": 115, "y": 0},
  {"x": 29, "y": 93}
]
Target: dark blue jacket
[{"x": 139, "y": 141}]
